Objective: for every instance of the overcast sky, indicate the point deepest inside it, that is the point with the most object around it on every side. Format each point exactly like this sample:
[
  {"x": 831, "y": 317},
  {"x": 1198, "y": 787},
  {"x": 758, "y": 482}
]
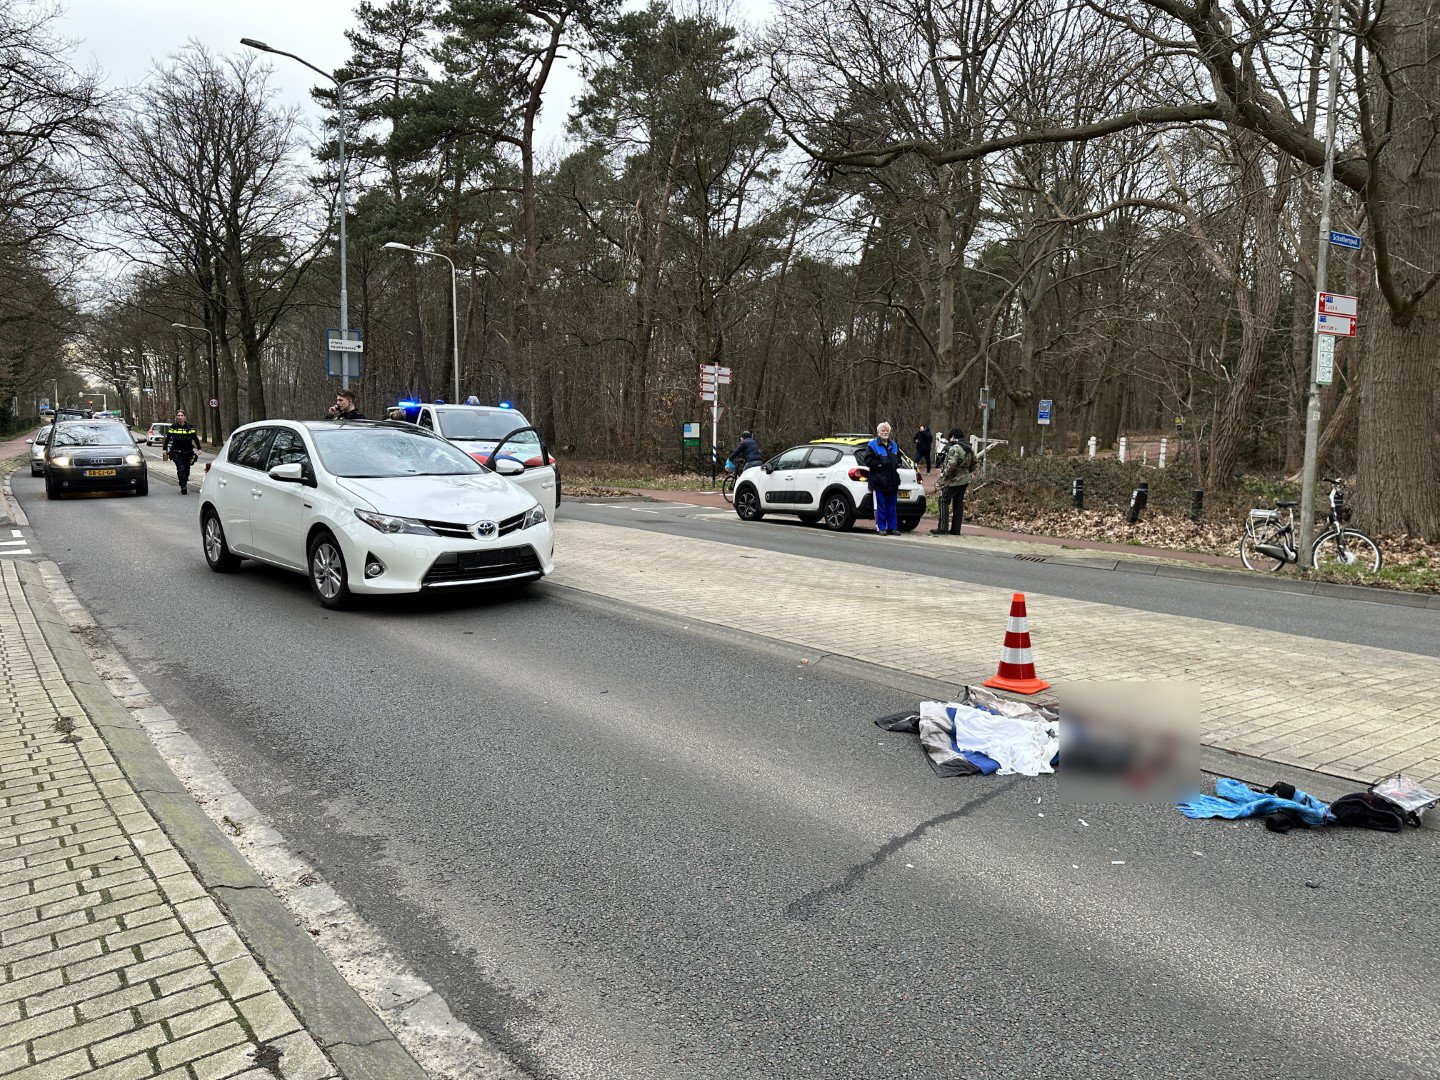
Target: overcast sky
[{"x": 125, "y": 37}]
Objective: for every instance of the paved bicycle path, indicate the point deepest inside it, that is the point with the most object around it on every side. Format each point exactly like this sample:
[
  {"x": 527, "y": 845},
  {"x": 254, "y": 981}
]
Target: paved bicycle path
[{"x": 1353, "y": 711}]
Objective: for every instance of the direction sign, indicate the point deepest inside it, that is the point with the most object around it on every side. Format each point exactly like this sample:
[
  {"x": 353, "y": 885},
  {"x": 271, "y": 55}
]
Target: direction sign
[
  {"x": 1325, "y": 361},
  {"x": 707, "y": 395},
  {"x": 1335, "y": 325},
  {"x": 1327, "y": 303},
  {"x": 1043, "y": 415},
  {"x": 714, "y": 369},
  {"x": 711, "y": 380},
  {"x": 343, "y": 352},
  {"x": 1345, "y": 240}
]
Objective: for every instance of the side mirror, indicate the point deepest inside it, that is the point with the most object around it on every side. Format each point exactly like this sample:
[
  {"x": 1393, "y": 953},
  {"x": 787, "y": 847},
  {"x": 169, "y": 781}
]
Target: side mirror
[
  {"x": 769, "y": 468},
  {"x": 292, "y": 472},
  {"x": 29, "y": 442},
  {"x": 509, "y": 467}
]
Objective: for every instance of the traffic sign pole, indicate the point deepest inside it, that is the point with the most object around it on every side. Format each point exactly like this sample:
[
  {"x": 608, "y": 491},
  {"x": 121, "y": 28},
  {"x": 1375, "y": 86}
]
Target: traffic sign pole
[{"x": 1322, "y": 266}]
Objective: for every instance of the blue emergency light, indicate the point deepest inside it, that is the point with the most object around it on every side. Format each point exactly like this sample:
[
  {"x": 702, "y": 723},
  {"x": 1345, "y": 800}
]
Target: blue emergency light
[{"x": 506, "y": 405}]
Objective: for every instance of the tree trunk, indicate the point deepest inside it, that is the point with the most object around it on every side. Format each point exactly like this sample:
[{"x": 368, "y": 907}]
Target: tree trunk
[{"x": 1398, "y": 488}]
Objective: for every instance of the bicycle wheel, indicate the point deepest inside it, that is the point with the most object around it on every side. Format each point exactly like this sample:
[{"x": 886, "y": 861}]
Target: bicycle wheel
[
  {"x": 727, "y": 488},
  {"x": 1348, "y": 547},
  {"x": 1254, "y": 558}
]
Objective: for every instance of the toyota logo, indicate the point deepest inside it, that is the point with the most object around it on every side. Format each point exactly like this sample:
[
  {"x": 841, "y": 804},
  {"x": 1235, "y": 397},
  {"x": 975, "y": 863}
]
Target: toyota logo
[{"x": 484, "y": 530}]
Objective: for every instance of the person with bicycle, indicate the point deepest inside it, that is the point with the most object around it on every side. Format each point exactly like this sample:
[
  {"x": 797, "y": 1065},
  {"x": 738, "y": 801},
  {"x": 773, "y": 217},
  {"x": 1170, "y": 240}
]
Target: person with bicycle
[{"x": 746, "y": 454}]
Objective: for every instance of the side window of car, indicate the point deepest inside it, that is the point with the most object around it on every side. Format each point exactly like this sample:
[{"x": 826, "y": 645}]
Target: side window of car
[
  {"x": 793, "y": 458},
  {"x": 822, "y": 457},
  {"x": 248, "y": 449},
  {"x": 425, "y": 420},
  {"x": 288, "y": 447}
]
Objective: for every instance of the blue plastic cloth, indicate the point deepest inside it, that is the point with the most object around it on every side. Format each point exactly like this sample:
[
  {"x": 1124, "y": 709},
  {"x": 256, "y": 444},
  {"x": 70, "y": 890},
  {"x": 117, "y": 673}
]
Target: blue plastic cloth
[{"x": 1232, "y": 799}]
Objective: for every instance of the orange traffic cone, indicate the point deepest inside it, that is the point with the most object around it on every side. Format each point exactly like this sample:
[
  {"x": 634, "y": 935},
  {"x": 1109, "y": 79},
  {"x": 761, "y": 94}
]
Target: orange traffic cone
[{"x": 1017, "y": 665}]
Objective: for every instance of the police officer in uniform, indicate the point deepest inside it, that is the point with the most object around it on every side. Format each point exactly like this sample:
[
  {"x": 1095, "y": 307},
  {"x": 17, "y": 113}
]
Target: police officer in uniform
[{"x": 182, "y": 443}]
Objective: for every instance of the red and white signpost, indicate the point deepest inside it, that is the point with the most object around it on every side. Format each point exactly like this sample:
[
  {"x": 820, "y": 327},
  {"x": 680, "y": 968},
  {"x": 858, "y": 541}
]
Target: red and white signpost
[{"x": 712, "y": 377}]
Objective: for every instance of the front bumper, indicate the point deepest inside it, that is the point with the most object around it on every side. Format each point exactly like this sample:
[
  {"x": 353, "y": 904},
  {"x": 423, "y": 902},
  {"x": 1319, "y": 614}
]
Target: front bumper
[
  {"x": 73, "y": 478},
  {"x": 438, "y": 563}
]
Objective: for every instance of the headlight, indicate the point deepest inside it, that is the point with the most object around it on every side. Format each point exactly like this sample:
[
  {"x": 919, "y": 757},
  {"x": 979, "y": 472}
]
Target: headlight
[
  {"x": 133, "y": 459},
  {"x": 387, "y": 524},
  {"x": 61, "y": 462},
  {"x": 536, "y": 516}
]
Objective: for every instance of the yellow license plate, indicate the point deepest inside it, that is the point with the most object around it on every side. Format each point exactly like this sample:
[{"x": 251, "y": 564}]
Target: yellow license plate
[
  {"x": 904, "y": 493},
  {"x": 99, "y": 472}
]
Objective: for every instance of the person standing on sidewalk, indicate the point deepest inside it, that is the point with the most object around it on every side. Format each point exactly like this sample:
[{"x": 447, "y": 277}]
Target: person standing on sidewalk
[
  {"x": 956, "y": 465},
  {"x": 182, "y": 445},
  {"x": 882, "y": 460},
  {"x": 923, "y": 442}
]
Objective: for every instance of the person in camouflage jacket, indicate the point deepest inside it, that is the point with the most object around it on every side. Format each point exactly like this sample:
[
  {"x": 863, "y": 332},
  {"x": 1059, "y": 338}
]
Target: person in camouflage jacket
[{"x": 956, "y": 465}]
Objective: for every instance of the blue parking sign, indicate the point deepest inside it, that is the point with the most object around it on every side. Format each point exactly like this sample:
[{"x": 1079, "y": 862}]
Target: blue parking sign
[{"x": 1043, "y": 416}]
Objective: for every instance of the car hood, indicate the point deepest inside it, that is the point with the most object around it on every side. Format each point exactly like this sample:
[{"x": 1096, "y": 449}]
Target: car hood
[{"x": 462, "y": 499}]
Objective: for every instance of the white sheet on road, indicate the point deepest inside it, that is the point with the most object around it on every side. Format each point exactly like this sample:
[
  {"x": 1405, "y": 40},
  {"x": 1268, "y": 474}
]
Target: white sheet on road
[{"x": 1018, "y": 746}]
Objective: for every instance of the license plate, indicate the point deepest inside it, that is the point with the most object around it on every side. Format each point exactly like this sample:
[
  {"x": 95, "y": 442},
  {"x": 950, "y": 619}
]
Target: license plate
[
  {"x": 99, "y": 472},
  {"x": 904, "y": 493}
]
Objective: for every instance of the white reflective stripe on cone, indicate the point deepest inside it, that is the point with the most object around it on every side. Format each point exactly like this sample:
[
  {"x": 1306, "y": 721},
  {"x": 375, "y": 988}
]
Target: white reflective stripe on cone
[
  {"x": 1017, "y": 625},
  {"x": 1015, "y": 656}
]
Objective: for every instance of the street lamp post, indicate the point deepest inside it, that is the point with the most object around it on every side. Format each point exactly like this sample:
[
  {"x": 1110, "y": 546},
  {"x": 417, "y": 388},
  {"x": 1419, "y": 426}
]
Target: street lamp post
[
  {"x": 340, "y": 193},
  {"x": 1311, "y": 464},
  {"x": 454, "y": 304},
  {"x": 214, "y": 413}
]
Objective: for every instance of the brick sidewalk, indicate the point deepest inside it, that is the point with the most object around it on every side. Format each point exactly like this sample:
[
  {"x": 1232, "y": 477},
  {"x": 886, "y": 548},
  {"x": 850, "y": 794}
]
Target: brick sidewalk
[
  {"x": 1347, "y": 710},
  {"x": 116, "y": 963}
]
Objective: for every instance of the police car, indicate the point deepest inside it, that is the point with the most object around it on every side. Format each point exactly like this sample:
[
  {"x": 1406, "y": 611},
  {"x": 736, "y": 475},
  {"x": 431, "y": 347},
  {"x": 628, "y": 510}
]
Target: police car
[
  {"x": 491, "y": 434},
  {"x": 823, "y": 482}
]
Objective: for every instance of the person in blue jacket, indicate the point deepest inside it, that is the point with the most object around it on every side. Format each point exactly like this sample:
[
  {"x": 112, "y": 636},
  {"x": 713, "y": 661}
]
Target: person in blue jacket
[{"x": 883, "y": 459}]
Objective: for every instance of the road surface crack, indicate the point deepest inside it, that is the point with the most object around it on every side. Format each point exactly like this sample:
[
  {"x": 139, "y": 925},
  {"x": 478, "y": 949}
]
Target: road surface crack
[{"x": 806, "y": 906}]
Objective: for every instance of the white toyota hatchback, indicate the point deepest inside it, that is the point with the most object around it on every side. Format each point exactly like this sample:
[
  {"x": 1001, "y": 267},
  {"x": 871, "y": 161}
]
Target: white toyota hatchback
[{"x": 362, "y": 506}]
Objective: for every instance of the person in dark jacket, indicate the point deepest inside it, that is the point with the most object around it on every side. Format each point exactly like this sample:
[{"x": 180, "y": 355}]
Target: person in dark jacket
[
  {"x": 956, "y": 466},
  {"x": 182, "y": 445},
  {"x": 344, "y": 408},
  {"x": 923, "y": 442},
  {"x": 747, "y": 453},
  {"x": 883, "y": 460}
]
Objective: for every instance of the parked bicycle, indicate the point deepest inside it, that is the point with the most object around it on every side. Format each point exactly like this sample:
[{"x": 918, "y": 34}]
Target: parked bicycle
[{"x": 1271, "y": 542}]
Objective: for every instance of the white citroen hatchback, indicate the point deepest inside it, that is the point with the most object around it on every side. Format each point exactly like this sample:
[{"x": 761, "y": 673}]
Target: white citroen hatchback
[{"x": 362, "y": 506}]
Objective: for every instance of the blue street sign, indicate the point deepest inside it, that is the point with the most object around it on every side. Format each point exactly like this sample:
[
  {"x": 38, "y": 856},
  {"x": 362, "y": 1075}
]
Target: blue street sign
[
  {"x": 1345, "y": 240},
  {"x": 1043, "y": 416}
]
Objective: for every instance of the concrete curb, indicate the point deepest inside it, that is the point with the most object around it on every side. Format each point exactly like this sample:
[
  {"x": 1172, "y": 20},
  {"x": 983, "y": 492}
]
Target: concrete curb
[{"x": 359, "y": 1044}]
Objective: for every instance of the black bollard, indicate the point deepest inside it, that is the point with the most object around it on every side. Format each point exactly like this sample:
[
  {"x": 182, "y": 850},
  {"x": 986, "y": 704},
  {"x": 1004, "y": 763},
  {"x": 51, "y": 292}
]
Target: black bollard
[
  {"x": 1138, "y": 498},
  {"x": 1197, "y": 504},
  {"x": 1077, "y": 493}
]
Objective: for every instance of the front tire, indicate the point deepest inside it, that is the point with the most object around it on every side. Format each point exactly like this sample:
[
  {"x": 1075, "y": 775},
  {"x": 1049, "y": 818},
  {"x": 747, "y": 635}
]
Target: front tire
[
  {"x": 328, "y": 580},
  {"x": 217, "y": 552},
  {"x": 52, "y": 489},
  {"x": 838, "y": 512},
  {"x": 1359, "y": 551},
  {"x": 747, "y": 504},
  {"x": 909, "y": 524},
  {"x": 37, "y": 471},
  {"x": 143, "y": 488}
]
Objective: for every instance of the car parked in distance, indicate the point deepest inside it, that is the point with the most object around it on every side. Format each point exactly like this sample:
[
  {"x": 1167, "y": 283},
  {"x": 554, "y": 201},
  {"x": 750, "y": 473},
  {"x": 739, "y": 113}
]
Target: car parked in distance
[
  {"x": 156, "y": 435},
  {"x": 37, "y": 450},
  {"x": 93, "y": 455},
  {"x": 822, "y": 481},
  {"x": 369, "y": 507}
]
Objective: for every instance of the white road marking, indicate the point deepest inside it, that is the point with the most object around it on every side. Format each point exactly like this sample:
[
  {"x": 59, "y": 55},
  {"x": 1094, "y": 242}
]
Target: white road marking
[
  {"x": 10, "y": 543},
  {"x": 21, "y": 551},
  {"x": 16, "y": 532}
]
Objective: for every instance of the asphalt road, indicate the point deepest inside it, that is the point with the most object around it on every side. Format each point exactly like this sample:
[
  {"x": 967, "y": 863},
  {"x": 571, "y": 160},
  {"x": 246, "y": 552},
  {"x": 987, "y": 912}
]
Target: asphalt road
[
  {"x": 1385, "y": 626},
  {"x": 629, "y": 852}
]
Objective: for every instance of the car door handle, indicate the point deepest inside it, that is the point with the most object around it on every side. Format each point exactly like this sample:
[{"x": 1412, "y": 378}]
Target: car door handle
[
  {"x": 255, "y": 493},
  {"x": 220, "y": 483}
]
